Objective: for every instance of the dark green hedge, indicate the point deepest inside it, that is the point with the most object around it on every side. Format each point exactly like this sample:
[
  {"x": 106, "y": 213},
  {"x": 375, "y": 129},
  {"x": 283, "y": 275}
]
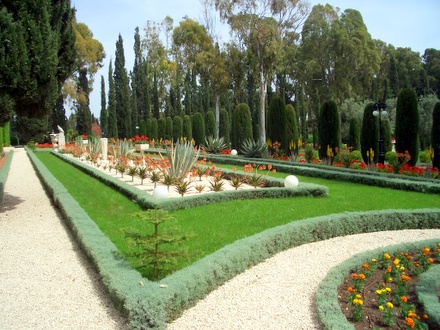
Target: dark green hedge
[
  {"x": 146, "y": 201},
  {"x": 327, "y": 305},
  {"x": 385, "y": 180},
  {"x": 4, "y": 173}
]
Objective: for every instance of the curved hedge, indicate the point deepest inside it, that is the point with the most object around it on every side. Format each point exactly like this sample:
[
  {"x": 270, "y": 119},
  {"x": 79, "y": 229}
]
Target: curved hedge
[
  {"x": 150, "y": 305},
  {"x": 327, "y": 305}
]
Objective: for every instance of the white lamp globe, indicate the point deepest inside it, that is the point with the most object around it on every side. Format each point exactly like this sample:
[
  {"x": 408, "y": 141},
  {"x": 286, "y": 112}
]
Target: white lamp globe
[
  {"x": 160, "y": 192},
  {"x": 291, "y": 181},
  {"x": 233, "y": 152}
]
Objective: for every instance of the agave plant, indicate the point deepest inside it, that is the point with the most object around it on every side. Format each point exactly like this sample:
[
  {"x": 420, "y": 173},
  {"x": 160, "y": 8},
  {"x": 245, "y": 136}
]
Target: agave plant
[
  {"x": 253, "y": 149},
  {"x": 214, "y": 145},
  {"x": 181, "y": 158}
]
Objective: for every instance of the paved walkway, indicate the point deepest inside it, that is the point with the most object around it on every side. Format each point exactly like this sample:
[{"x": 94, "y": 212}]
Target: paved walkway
[{"x": 46, "y": 282}]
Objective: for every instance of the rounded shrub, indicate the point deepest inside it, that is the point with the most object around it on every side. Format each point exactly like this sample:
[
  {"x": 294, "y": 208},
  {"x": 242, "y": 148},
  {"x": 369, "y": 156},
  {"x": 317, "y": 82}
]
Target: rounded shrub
[
  {"x": 198, "y": 128},
  {"x": 407, "y": 124},
  {"x": 241, "y": 125},
  {"x": 154, "y": 129}
]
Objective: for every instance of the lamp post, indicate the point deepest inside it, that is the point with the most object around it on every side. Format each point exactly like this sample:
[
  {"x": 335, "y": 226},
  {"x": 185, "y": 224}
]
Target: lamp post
[{"x": 379, "y": 111}]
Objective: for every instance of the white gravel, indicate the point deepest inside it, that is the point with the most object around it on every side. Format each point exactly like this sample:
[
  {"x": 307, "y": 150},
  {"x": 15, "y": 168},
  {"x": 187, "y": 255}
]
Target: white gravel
[
  {"x": 45, "y": 280},
  {"x": 279, "y": 293}
]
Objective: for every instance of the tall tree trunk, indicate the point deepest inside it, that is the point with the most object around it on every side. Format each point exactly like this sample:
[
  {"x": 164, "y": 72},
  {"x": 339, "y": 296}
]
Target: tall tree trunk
[
  {"x": 217, "y": 115},
  {"x": 263, "y": 92}
]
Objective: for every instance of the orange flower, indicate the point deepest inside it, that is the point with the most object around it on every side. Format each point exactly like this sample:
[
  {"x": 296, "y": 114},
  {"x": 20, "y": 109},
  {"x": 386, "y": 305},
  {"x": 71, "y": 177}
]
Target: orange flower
[
  {"x": 269, "y": 167},
  {"x": 405, "y": 278},
  {"x": 350, "y": 289},
  {"x": 430, "y": 260},
  {"x": 361, "y": 276},
  {"x": 411, "y": 314},
  {"x": 426, "y": 251},
  {"x": 366, "y": 266},
  {"x": 404, "y": 299},
  {"x": 389, "y": 269},
  {"x": 410, "y": 322},
  {"x": 426, "y": 317}
]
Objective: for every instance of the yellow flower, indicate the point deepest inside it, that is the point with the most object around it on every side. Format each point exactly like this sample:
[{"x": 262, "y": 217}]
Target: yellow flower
[
  {"x": 386, "y": 256},
  {"x": 388, "y": 289},
  {"x": 390, "y": 280},
  {"x": 381, "y": 307},
  {"x": 358, "y": 296},
  {"x": 390, "y": 304},
  {"x": 373, "y": 260},
  {"x": 358, "y": 302},
  {"x": 396, "y": 262},
  {"x": 402, "y": 268}
]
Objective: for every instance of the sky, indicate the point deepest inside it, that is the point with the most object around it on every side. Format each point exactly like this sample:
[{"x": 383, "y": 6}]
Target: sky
[{"x": 402, "y": 23}]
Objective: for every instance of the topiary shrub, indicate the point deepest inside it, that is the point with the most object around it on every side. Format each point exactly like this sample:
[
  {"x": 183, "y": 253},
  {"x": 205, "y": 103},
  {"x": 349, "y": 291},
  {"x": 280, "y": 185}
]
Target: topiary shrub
[
  {"x": 210, "y": 124},
  {"x": 292, "y": 133},
  {"x": 224, "y": 126},
  {"x": 154, "y": 129},
  {"x": 241, "y": 125},
  {"x": 329, "y": 129},
  {"x": 276, "y": 120},
  {"x": 435, "y": 136},
  {"x": 161, "y": 127},
  {"x": 369, "y": 134},
  {"x": 177, "y": 128},
  {"x": 169, "y": 128},
  {"x": 198, "y": 128},
  {"x": 187, "y": 128},
  {"x": 407, "y": 128},
  {"x": 354, "y": 135}
]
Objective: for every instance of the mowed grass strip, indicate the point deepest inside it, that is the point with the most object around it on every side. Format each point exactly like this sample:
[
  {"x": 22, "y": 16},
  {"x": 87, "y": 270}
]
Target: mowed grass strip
[{"x": 217, "y": 225}]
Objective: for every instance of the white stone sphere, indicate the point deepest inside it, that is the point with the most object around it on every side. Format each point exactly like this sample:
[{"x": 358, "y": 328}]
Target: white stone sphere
[
  {"x": 160, "y": 192},
  {"x": 233, "y": 152},
  {"x": 291, "y": 181}
]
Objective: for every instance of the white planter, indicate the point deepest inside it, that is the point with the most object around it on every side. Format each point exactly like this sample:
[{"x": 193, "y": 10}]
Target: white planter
[{"x": 143, "y": 146}]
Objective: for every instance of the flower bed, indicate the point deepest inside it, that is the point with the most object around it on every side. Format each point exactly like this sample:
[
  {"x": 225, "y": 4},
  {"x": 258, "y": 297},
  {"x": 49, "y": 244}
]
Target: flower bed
[{"x": 382, "y": 293}]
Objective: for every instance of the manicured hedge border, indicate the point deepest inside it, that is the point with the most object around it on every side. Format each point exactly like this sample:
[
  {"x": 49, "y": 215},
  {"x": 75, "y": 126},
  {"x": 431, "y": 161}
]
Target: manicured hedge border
[
  {"x": 148, "y": 305},
  {"x": 393, "y": 181},
  {"x": 4, "y": 172},
  {"x": 327, "y": 305},
  {"x": 146, "y": 201}
]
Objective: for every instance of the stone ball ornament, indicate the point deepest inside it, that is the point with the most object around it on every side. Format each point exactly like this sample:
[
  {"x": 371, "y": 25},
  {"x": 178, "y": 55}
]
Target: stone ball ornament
[
  {"x": 291, "y": 181},
  {"x": 160, "y": 192},
  {"x": 234, "y": 152}
]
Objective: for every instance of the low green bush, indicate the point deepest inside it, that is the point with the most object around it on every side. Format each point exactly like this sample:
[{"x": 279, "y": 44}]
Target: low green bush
[
  {"x": 4, "y": 173},
  {"x": 426, "y": 289}
]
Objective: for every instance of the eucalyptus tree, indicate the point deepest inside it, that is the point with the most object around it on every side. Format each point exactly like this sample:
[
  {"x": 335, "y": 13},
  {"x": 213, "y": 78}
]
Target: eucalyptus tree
[
  {"x": 431, "y": 64},
  {"x": 262, "y": 26},
  {"x": 409, "y": 68}
]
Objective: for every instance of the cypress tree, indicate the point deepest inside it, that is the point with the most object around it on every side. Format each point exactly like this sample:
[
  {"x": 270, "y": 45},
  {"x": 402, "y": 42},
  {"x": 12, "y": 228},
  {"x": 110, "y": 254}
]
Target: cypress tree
[
  {"x": 37, "y": 55},
  {"x": 59, "y": 115},
  {"x": 103, "y": 118},
  {"x": 369, "y": 134},
  {"x": 354, "y": 135},
  {"x": 241, "y": 125},
  {"x": 154, "y": 129},
  {"x": 292, "y": 134},
  {"x": 177, "y": 128},
  {"x": 276, "y": 120},
  {"x": 156, "y": 110},
  {"x": 83, "y": 114},
  {"x": 169, "y": 128},
  {"x": 210, "y": 124},
  {"x": 187, "y": 128},
  {"x": 435, "y": 136},
  {"x": 112, "y": 130},
  {"x": 148, "y": 128},
  {"x": 224, "y": 126},
  {"x": 161, "y": 127},
  {"x": 407, "y": 124},
  {"x": 198, "y": 128},
  {"x": 386, "y": 131},
  {"x": 122, "y": 92},
  {"x": 329, "y": 129}
]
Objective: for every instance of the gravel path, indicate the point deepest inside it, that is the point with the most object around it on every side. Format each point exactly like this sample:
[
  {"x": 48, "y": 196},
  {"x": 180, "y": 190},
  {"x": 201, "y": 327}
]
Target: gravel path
[
  {"x": 279, "y": 293},
  {"x": 45, "y": 280},
  {"x": 47, "y": 283}
]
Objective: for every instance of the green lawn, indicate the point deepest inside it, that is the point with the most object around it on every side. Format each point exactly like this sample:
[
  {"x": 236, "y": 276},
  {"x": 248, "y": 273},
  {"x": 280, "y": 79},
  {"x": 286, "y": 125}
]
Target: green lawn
[{"x": 217, "y": 225}]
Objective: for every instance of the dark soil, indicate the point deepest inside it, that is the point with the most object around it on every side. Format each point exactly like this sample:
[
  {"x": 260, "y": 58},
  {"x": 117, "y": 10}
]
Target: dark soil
[{"x": 372, "y": 315}]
